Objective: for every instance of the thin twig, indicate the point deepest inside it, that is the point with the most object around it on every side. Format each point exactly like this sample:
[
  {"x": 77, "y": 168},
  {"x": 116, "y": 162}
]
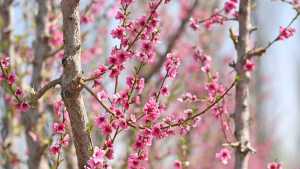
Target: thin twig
[
  {"x": 206, "y": 109},
  {"x": 44, "y": 89}
]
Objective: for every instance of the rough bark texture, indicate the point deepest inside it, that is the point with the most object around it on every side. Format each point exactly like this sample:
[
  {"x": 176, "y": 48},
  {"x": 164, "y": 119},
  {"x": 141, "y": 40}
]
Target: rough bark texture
[
  {"x": 242, "y": 114},
  {"x": 69, "y": 158},
  {"x": 5, "y": 12},
  {"x": 41, "y": 50},
  {"x": 71, "y": 87}
]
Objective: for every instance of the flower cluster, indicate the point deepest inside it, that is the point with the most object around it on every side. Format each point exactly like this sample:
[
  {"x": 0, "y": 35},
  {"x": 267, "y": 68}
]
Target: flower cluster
[
  {"x": 203, "y": 59},
  {"x": 230, "y": 5},
  {"x": 286, "y": 33},
  {"x": 96, "y": 161},
  {"x": 59, "y": 129},
  {"x": 224, "y": 155},
  {"x": 171, "y": 65},
  {"x": 216, "y": 18},
  {"x": 274, "y": 165},
  {"x": 11, "y": 78},
  {"x": 56, "y": 38},
  {"x": 151, "y": 110}
]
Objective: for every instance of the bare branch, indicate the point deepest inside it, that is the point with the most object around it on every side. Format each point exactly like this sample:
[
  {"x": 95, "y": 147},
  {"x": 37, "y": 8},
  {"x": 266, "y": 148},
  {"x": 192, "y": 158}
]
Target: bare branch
[{"x": 44, "y": 89}]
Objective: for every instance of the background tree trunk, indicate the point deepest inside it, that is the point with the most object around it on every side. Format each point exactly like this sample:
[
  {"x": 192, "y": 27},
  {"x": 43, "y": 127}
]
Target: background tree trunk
[
  {"x": 41, "y": 50},
  {"x": 6, "y": 49},
  {"x": 242, "y": 113}
]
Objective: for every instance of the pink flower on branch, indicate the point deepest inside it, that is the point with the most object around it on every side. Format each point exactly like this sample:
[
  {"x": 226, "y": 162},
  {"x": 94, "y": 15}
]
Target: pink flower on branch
[
  {"x": 224, "y": 155},
  {"x": 274, "y": 165},
  {"x": 286, "y": 33},
  {"x": 58, "y": 128},
  {"x": 249, "y": 66}
]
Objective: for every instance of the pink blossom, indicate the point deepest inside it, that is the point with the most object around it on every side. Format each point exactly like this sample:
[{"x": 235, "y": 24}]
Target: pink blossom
[
  {"x": 56, "y": 36},
  {"x": 212, "y": 88},
  {"x": 214, "y": 19},
  {"x": 194, "y": 24},
  {"x": 100, "y": 121},
  {"x": 130, "y": 80},
  {"x": 97, "y": 159},
  {"x": 1, "y": 77},
  {"x": 224, "y": 155},
  {"x": 145, "y": 58},
  {"x": 58, "y": 105},
  {"x": 147, "y": 47},
  {"x": 126, "y": 2},
  {"x": 66, "y": 140},
  {"x": 55, "y": 149},
  {"x": 187, "y": 97},
  {"x": 118, "y": 33},
  {"x": 122, "y": 123},
  {"x": 122, "y": 56},
  {"x": 23, "y": 107},
  {"x": 120, "y": 15},
  {"x": 58, "y": 128},
  {"x": 110, "y": 153},
  {"x": 249, "y": 66},
  {"x": 151, "y": 110},
  {"x": 157, "y": 132},
  {"x": 275, "y": 165},
  {"x": 85, "y": 19},
  {"x": 171, "y": 65},
  {"x": 101, "y": 70},
  {"x": 133, "y": 161},
  {"x": 11, "y": 79},
  {"x": 106, "y": 129},
  {"x": 230, "y": 5},
  {"x": 177, "y": 164},
  {"x": 102, "y": 95},
  {"x": 286, "y": 33},
  {"x": 164, "y": 91},
  {"x": 205, "y": 60},
  {"x": 4, "y": 62},
  {"x": 140, "y": 85},
  {"x": 115, "y": 72},
  {"x": 19, "y": 92}
]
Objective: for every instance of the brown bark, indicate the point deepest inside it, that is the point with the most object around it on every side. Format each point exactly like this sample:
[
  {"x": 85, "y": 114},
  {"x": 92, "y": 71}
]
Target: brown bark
[
  {"x": 242, "y": 113},
  {"x": 41, "y": 50},
  {"x": 71, "y": 77},
  {"x": 5, "y": 12}
]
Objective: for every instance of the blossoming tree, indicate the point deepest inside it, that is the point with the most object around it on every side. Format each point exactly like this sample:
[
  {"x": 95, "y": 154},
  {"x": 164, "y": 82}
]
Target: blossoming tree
[{"x": 127, "y": 85}]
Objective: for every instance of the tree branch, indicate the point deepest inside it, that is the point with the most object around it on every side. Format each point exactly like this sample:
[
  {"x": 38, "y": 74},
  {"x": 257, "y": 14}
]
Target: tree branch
[{"x": 36, "y": 96}]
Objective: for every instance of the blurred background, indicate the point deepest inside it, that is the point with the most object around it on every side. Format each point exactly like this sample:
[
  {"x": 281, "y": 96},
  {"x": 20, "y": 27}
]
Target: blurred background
[{"x": 275, "y": 95}]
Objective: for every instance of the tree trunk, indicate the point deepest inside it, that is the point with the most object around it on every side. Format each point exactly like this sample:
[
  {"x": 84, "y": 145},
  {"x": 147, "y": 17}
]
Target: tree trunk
[
  {"x": 242, "y": 113},
  {"x": 71, "y": 87},
  {"x": 5, "y": 12},
  {"x": 7, "y": 49}
]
